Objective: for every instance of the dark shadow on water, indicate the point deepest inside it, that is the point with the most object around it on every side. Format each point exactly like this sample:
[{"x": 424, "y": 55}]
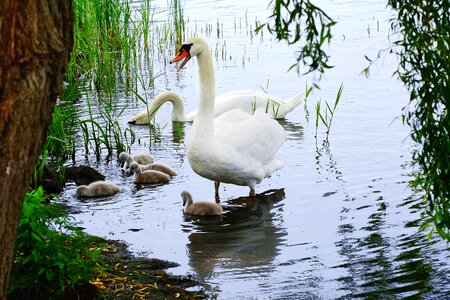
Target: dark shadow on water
[
  {"x": 247, "y": 235},
  {"x": 145, "y": 186}
]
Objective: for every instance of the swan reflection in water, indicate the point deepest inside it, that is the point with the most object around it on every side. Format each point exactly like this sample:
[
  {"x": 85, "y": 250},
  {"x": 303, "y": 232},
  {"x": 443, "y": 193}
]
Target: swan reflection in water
[
  {"x": 294, "y": 131},
  {"x": 247, "y": 234}
]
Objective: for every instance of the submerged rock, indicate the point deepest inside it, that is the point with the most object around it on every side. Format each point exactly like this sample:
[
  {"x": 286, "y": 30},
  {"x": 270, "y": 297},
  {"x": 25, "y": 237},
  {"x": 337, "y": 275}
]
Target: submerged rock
[
  {"x": 83, "y": 175},
  {"x": 50, "y": 181}
]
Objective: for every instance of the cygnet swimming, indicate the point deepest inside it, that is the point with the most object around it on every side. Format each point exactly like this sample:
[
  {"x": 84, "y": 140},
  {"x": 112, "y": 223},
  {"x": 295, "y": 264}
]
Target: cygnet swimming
[
  {"x": 140, "y": 158},
  {"x": 200, "y": 208},
  {"x": 96, "y": 189},
  {"x": 149, "y": 176}
]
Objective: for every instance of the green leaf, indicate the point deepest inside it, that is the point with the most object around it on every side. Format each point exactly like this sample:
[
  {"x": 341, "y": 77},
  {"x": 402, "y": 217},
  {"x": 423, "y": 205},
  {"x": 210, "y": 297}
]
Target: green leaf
[
  {"x": 37, "y": 237},
  {"x": 291, "y": 67},
  {"x": 49, "y": 275},
  {"x": 338, "y": 96}
]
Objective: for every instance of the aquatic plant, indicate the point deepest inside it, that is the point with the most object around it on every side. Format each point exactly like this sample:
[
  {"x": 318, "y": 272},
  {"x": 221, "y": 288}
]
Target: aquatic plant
[
  {"x": 275, "y": 108},
  {"x": 178, "y": 132},
  {"x": 38, "y": 172},
  {"x": 158, "y": 129},
  {"x": 265, "y": 88},
  {"x": 102, "y": 131},
  {"x": 59, "y": 144},
  {"x": 326, "y": 116},
  {"x": 108, "y": 38},
  {"x": 308, "y": 90},
  {"x": 60, "y": 141},
  {"x": 107, "y": 33},
  {"x": 178, "y": 22}
]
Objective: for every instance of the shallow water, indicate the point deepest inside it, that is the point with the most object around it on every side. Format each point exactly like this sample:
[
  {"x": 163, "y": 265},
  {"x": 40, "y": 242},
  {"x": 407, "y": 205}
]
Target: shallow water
[{"x": 338, "y": 221}]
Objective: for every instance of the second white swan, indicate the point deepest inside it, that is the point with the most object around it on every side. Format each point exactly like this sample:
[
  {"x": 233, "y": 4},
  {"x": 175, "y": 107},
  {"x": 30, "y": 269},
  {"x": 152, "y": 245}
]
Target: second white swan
[{"x": 246, "y": 100}]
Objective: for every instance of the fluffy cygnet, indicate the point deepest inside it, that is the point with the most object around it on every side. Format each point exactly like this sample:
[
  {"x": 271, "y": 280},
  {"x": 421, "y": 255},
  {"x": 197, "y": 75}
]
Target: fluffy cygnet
[
  {"x": 200, "y": 208},
  {"x": 159, "y": 167},
  {"x": 156, "y": 167},
  {"x": 140, "y": 158},
  {"x": 150, "y": 176},
  {"x": 97, "y": 188}
]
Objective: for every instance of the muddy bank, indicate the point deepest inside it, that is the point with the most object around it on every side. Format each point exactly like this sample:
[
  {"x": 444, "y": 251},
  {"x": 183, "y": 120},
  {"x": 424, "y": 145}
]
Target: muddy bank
[{"x": 128, "y": 277}]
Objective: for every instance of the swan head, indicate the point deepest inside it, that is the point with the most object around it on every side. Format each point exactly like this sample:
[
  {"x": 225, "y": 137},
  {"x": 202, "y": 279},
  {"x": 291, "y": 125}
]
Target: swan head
[
  {"x": 191, "y": 47},
  {"x": 123, "y": 156},
  {"x": 187, "y": 198},
  {"x": 134, "y": 167},
  {"x": 81, "y": 191}
]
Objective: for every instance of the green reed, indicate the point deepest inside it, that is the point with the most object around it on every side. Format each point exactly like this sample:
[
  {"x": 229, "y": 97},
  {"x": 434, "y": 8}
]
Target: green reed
[
  {"x": 105, "y": 37},
  {"x": 105, "y": 57},
  {"x": 274, "y": 108},
  {"x": 178, "y": 132},
  {"x": 60, "y": 140},
  {"x": 111, "y": 40},
  {"x": 326, "y": 116},
  {"x": 59, "y": 144},
  {"x": 38, "y": 172},
  {"x": 109, "y": 114},
  {"x": 102, "y": 132},
  {"x": 308, "y": 90},
  {"x": 146, "y": 19},
  {"x": 178, "y": 23},
  {"x": 91, "y": 132}
]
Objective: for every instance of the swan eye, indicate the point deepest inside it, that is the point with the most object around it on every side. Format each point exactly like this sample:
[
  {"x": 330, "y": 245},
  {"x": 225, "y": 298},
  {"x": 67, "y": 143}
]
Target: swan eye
[{"x": 186, "y": 47}]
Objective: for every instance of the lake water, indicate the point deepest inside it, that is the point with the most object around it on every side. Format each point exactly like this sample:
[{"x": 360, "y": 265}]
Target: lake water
[{"x": 338, "y": 221}]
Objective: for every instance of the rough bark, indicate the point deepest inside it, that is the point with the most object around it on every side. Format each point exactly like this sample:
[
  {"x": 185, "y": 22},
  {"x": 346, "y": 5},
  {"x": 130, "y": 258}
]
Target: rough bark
[{"x": 36, "y": 37}]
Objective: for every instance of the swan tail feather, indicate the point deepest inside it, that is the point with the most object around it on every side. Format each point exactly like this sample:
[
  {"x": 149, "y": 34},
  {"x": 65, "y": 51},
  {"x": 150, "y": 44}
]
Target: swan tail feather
[
  {"x": 273, "y": 166},
  {"x": 291, "y": 104},
  {"x": 297, "y": 99}
]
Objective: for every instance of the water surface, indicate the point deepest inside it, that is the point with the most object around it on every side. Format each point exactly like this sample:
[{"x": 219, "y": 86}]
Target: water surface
[{"x": 338, "y": 221}]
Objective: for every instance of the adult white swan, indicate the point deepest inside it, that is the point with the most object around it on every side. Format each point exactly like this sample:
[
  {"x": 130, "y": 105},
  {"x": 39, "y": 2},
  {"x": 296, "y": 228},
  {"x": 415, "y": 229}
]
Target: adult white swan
[
  {"x": 247, "y": 100},
  {"x": 230, "y": 149}
]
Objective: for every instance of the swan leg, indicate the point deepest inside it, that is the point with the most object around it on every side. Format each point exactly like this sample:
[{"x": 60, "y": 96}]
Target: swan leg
[
  {"x": 252, "y": 192},
  {"x": 216, "y": 188}
]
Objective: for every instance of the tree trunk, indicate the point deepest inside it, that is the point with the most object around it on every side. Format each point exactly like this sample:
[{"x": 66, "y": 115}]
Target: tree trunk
[{"x": 36, "y": 37}]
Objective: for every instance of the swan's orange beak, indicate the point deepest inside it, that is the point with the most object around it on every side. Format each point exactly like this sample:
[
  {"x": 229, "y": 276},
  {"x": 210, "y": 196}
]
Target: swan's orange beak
[{"x": 182, "y": 54}]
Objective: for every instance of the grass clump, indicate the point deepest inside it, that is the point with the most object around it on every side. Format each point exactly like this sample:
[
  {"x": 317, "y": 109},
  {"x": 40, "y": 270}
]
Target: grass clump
[
  {"x": 60, "y": 140},
  {"x": 101, "y": 130},
  {"x": 103, "y": 42},
  {"x": 53, "y": 258},
  {"x": 59, "y": 145}
]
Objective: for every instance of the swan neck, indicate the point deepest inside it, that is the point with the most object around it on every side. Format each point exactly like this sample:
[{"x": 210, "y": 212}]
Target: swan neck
[
  {"x": 178, "y": 110},
  {"x": 138, "y": 170},
  {"x": 207, "y": 87}
]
